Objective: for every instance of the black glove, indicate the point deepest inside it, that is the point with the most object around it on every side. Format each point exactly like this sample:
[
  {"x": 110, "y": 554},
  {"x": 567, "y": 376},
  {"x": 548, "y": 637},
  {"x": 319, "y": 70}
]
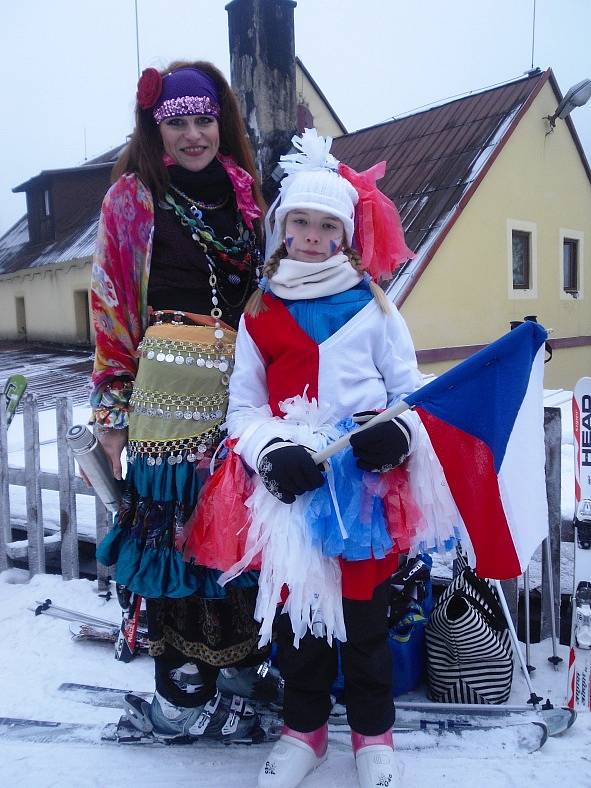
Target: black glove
[
  {"x": 288, "y": 470},
  {"x": 382, "y": 447}
]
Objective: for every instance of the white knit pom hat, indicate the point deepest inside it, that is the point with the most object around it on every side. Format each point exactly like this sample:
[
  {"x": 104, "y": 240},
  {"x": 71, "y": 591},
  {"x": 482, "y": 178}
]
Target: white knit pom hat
[
  {"x": 313, "y": 183},
  {"x": 320, "y": 190}
]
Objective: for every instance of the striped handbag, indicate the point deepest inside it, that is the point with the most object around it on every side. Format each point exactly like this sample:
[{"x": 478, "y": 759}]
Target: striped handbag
[{"x": 469, "y": 651}]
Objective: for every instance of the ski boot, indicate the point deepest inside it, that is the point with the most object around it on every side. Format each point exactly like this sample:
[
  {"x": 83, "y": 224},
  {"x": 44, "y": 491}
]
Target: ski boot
[
  {"x": 407, "y": 584},
  {"x": 219, "y": 720},
  {"x": 583, "y": 615},
  {"x": 261, "y": 685},
  {"x": 293, "y": 757},
  {"x": 374, "y": 758}
]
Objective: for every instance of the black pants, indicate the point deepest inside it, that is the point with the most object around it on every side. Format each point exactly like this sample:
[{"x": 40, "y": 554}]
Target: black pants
[{"x": 310, "y": 670}]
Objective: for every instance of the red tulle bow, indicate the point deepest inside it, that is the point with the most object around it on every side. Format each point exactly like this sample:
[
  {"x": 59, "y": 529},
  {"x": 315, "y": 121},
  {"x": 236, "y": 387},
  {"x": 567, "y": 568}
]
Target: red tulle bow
[{"x": 378, "y": 230}]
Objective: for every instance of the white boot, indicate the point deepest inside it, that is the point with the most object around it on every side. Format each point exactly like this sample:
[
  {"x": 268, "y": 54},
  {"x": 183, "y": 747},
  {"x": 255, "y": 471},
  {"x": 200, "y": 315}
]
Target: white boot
[
  {"x": 374, "y": 757},
  {"x": 293, "y": 757}
]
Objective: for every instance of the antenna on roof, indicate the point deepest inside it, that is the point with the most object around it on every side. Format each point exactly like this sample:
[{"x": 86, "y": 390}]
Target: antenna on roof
[
  {"x": 577, "y": 96},
  {"x": 533, "y": 36},
  {"x": 137, "y": 41}
]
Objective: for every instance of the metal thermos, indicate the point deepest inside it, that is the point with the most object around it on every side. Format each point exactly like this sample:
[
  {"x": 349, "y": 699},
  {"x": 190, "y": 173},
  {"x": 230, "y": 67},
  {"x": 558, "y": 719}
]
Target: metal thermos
[{"x": 91, "y": 457}]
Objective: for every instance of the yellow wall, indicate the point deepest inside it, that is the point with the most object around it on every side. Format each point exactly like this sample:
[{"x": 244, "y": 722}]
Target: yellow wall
[
  {"x": 463, "y": 296},
  {"x": 307, "y": 94},
  {"x": 49, "y": 302}
]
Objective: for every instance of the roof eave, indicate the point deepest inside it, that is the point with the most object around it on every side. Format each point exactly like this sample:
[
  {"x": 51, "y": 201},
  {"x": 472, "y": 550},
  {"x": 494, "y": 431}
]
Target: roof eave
[
  {"x": 407, "y": 288},
  {"x": 46, "y": 175}
]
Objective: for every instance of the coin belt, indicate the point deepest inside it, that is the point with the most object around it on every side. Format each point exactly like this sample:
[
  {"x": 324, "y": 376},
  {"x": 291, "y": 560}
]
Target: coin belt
[
  {"x": 155, "y": 404},
  {"x": 219, "y": 356},
  {"x": 174, "y": 452}
]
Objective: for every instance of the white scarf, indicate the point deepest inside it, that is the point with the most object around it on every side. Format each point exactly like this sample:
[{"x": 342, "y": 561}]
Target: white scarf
[{"x": 295, "y": 279}]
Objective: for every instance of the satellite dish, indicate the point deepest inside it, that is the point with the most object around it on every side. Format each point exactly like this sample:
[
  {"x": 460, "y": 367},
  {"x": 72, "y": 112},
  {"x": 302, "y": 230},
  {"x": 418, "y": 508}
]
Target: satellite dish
[{"x": 575, "y": 97}]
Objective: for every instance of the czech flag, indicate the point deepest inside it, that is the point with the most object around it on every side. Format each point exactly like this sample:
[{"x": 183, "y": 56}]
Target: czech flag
[{"x": 485, "y": 419}]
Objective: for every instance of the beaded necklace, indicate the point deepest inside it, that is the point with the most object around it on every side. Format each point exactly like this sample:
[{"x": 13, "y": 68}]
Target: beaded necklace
[
  {"x": 202, "y": 205},
  {"x": 240, "y": 252}
]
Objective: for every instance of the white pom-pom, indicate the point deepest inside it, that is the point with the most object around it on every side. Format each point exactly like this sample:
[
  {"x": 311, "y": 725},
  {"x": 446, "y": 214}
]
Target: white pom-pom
[{"x": 313, "y": 154}]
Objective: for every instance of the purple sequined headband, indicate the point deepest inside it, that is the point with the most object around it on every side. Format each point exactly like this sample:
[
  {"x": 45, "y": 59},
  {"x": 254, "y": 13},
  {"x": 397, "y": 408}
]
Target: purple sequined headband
[
  {"x": 186, "y": 105},
  {"x": 185, "y": 91}
]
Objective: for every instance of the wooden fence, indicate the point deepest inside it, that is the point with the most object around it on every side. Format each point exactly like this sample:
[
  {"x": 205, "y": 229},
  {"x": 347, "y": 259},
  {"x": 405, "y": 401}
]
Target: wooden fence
[
  {"x": 34, "y": 547},
  {"x": 39, "y": 540}
]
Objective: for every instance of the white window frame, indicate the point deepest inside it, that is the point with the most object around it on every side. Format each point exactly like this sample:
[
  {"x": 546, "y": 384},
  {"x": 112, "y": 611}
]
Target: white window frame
[
  {"x": 531, "y": 228},
  {"x": 575, "y": 235}
]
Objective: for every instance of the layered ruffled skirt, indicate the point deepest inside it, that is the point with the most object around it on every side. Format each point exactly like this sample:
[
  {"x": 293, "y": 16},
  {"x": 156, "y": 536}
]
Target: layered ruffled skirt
[{"x": 179, "y": 402}]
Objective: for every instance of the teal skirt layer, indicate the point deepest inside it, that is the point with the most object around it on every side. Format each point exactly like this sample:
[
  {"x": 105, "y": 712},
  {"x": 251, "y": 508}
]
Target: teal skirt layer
[{"x": 157, "y": 501}]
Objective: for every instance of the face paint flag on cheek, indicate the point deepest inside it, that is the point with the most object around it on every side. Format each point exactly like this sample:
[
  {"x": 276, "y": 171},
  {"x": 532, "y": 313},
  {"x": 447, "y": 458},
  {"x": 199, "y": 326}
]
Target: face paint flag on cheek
[
  {"x": 334, "y": 247},
  {"x": 289, "y": 241}
]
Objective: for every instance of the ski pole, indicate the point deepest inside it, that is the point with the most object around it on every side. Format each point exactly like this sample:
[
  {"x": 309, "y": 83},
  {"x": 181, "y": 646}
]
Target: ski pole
[
  {"x": 554, "y": 659},
  {"x": 530, "y": 667},
  {"x": 534, "y": 699}
]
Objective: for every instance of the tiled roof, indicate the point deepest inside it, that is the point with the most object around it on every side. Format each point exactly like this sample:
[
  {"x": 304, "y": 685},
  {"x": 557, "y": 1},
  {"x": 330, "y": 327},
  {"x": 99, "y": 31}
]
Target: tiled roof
[{"x": 436, "y": 158}]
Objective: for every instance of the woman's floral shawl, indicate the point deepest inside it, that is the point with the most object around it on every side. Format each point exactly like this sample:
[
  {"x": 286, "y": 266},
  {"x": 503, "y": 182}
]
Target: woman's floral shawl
[{"x": 119, "y": 286}]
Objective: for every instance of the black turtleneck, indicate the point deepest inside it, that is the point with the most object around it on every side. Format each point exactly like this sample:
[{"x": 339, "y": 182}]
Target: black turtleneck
[{"x": 179, "y": 274}]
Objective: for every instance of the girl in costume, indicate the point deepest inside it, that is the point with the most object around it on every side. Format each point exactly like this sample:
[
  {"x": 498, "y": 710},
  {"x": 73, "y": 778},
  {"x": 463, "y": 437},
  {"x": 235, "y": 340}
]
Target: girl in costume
[
  {"x": 318, "y": 350},
  {"x": 176, "y": 259}
]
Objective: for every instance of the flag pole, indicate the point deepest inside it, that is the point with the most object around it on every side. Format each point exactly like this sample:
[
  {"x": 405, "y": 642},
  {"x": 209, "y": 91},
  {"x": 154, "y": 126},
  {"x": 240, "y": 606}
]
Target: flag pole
[
  {"x": 534, "y": 699},
  {"x": 333, "y": 448}
]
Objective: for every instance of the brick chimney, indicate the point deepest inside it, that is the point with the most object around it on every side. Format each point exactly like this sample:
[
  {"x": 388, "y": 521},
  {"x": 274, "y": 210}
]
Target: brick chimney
[{"x": 263, "y": 73}]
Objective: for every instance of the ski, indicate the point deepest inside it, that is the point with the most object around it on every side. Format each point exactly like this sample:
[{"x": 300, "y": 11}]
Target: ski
[
  {"x": 579, "y": 664},
  {"x": 122, "y": 732},
  {"x": 48, "y": 608},
  {"x": 14, "y": 388},
  {"x": 486, "y": 742},
  {"x": 94, "y": 633},
  {"x": 557, "y": 720},
  {"x": 474, "y": 716},
  {"x": 89, "y": 627},
  {"x": 125, "y": 646}
]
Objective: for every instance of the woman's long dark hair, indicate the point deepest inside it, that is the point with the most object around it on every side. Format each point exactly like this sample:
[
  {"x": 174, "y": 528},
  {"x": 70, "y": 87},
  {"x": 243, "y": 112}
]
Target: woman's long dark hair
[{"x": 143, "y": 154}]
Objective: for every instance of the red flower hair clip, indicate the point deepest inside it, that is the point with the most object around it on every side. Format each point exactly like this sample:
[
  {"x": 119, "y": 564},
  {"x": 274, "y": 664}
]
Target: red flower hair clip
[{"x": 149, "y": 88}]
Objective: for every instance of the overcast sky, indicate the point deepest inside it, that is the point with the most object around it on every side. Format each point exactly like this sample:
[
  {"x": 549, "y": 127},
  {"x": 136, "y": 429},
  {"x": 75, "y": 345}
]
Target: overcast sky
[{"x": 69, "y": 67}]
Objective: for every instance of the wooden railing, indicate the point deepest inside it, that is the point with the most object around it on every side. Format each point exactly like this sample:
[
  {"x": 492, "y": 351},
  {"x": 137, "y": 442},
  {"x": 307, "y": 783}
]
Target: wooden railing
[{"x": 39, "y": 539}]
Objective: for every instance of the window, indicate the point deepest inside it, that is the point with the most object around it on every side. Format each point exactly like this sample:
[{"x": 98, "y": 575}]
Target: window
[
  {"x": 521, "y": 259},
  {"x": 46, "y": 203},
  {"x": 21, "y": 317},
  {"x": 570, "y": 265}
]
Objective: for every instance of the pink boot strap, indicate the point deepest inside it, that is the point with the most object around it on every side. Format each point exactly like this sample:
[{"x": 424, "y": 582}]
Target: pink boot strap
[
  {"x": 358, "y": 740},
  {"x": 317, "y": 740}
]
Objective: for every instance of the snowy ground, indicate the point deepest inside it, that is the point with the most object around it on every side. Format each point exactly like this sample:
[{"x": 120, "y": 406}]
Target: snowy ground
[{"x": 37, "y": 654}]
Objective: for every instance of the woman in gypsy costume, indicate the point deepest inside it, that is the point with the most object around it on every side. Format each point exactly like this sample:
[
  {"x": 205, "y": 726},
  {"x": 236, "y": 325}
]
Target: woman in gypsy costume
[
  {"x": 176, "y": 261},
  {"x": 322, "y": 345}
]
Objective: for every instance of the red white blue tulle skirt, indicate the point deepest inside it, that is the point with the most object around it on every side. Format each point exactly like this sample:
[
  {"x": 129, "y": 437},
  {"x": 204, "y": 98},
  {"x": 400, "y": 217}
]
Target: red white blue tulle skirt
[{"x": 238, "y": 525}]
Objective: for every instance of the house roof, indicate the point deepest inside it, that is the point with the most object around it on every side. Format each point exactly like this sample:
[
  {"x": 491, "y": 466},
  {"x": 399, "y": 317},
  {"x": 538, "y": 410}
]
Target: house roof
[
  {"x": 16, "y": 254},
  {"x": 46, "y": 175},
  {"x": 436, "y": 159}
]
